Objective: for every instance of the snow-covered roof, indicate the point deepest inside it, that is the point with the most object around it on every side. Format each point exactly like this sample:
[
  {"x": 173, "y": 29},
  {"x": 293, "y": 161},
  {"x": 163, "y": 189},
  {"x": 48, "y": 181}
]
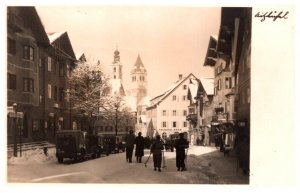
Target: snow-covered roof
[
  {"x": 208, "y": 85},
  {"x": 170, "y": 89},
  {"x": 54, "y": 36},
  {"x": 215, "y": 37},
  {"x": 78, "y": 55},
  {"x": 193, "y": 87}
]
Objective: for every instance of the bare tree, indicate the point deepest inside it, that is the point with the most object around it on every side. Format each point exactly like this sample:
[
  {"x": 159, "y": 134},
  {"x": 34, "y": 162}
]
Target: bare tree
[
  {"x": 118, "y": 112},
  {"x": 88, "y": 91}
]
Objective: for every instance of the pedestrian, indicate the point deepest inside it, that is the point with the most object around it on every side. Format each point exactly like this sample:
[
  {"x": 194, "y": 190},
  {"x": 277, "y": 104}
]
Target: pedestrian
[
  {"x": 130, "y": 138},
  {"x": 181, "y": 144},
  {"x": 206, "y": 136},
  {"x": 139, "y": 147},
  {"x": 198, "y": 141},
  {"x": 156, "y": 149}
]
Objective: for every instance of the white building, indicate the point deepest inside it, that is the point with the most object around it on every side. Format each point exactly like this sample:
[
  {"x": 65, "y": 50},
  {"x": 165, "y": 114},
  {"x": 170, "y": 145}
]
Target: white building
[{"x": 167, "y": 112}]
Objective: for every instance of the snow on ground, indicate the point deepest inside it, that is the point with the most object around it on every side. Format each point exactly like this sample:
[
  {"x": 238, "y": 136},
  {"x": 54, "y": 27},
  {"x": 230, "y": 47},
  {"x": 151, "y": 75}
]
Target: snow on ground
[
  {"x": 38, "y": 156},
  {"x": 33, "y": 156},
  {"x": 205, "y": 165}
]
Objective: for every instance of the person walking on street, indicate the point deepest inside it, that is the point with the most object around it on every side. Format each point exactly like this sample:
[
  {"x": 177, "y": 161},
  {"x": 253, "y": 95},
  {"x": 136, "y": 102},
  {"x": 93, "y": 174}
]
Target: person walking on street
[
  {"x": 181, "y": 144},
  {"x": 130, "y": 138},
  {"x": 139, "y": 147},
  {"x": 156, "y": 150}
]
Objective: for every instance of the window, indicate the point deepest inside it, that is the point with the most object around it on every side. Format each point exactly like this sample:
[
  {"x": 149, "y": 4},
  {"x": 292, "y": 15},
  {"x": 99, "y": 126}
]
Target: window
[
  {"x": 164, "y": 113},
  {"x": 174, "y": 123},
  {"x": 141, "y": 78},
  {"x": 228, "y": 82},
  {"x": 12, "y": 81},
  {"x": 133, "y": 78},
  {"x": 61, "y": 94},
  {"x": 55, "y": 66},
  {"x": 115, "y": 77},
  {"x": 55, "y": 93},
  {"x": 248, "y": 57},
  {"x": 164, "y": 124},
  {"x": 49, "y": 91},
  {"x": 100, "y": 128},
  {"x": 35, "y": 125},
  {"x": 114, "y": 69},
  {"x": 248, "y": 95},
  {"x": 61, "y": 70},
  {"x": 174, "y": 97},
  {"x": 184, "y": 98},
  {"x": 68, "y": 71},
  {"x": 11, "y": 46},
  {"x": 49, "y": 64},
  {"x": 191, "y": 111},
  {"x": 184, "y": 124},
  {"x": 28, "y": 52},
  {"x": 219, "y": 84},
  {"x": 174, "y": 113},
  {"x": 216, "y": 91},
  {"x": 28, "y": 85},
  {"x": 184, "y": 87},
  {"x": 184, "y": 112}
]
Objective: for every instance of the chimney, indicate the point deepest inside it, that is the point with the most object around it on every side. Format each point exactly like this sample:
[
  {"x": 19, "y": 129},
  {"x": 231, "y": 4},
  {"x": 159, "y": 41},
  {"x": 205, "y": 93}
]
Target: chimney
[{"x": 180, "y": 76}]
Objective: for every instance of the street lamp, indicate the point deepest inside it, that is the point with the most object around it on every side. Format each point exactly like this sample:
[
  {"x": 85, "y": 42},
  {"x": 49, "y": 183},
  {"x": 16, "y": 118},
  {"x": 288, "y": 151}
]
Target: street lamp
[{"x": 15, "y": 130}]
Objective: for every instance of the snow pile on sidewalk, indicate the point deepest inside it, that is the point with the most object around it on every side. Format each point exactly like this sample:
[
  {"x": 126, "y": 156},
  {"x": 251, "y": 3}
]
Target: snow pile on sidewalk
[{"x": 33, "y": 156}]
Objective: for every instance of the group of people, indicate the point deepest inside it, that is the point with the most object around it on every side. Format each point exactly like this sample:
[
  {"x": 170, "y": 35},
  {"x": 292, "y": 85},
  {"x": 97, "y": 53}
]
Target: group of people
[
  {"x": 139, "y": 151},
  {"x": 156, "y": 150}
]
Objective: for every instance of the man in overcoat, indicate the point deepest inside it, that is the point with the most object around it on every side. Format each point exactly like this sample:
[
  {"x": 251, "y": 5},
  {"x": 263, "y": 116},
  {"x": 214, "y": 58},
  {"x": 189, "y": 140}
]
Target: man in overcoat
[
  {"x": 139, "y": 147},
  {"x": 130, "y": 138},
  {"x": 181, "y": 144}
]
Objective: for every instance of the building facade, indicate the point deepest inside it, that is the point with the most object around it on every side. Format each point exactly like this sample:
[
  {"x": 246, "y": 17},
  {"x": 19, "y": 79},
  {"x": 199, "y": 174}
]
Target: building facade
[
  {"x": 38, "y": 65},
  {"x": 27, "y": 41},
  {"x": 57, "y": 67},
  {"x": 167, "y": 112},
  {"x": 200, "y": 96}
]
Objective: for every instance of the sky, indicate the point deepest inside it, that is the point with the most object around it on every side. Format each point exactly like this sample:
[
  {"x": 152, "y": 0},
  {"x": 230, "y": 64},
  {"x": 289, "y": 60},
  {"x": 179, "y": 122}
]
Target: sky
[{"x": 171, "y": 40}]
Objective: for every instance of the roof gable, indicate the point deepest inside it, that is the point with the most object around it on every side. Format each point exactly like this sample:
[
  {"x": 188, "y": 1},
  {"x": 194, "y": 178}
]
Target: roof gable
[
  {"x": 33, "y": 21},
  {"x": 208, "y": 85},
  {"x": 62, "y": 41},
  {"x": 171, "y": 89}
]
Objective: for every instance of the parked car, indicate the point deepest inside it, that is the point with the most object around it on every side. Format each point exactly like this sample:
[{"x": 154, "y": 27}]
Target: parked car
[
  {"x": 76, "y": 144},
  {"x": 112, "y": 144}
]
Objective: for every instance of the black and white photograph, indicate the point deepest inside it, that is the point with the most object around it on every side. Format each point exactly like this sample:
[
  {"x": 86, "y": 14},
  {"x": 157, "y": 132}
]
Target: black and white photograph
[{"x": 150, "y": 94}]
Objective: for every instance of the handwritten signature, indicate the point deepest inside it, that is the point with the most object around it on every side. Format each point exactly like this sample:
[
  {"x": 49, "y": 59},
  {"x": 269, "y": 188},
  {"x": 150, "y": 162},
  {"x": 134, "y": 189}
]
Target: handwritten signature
[{"x": 272, "y": 14}]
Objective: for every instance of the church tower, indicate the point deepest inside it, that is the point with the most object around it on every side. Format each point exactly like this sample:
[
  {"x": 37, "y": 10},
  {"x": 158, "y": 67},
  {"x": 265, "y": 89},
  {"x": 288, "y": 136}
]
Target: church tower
[
  {"x": 116, "y": 75},
  {"x": 139, "y": 81}
]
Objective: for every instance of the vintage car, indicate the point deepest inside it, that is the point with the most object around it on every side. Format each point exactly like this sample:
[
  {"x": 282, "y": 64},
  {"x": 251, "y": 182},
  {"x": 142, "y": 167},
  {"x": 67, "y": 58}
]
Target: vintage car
[
  {"x": 76, "y": 144},
  {"x": 112, "y": 144}
]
